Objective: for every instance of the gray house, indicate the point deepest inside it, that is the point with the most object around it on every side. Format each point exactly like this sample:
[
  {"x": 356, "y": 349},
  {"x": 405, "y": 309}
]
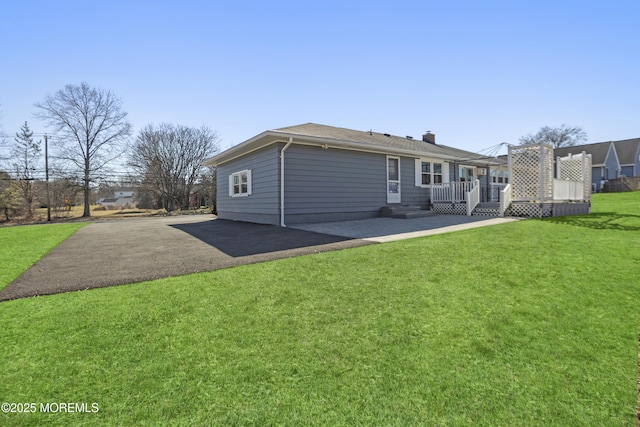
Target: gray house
[
  {"x": 316, "y": 173},
  {"x": 629, "y": 155},
  {"x": 610, "y": 160}
]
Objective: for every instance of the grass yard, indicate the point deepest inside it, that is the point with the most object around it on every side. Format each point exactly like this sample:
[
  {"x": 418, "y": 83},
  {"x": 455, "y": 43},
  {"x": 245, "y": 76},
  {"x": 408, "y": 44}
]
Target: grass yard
[
  {"x": 527, "y": 323},
  {"x": 21, "y": 247}
]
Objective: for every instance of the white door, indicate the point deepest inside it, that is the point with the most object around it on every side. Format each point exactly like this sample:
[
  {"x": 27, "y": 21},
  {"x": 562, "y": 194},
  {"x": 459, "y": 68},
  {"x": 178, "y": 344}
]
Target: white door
[{"x": 393, "y": 179}]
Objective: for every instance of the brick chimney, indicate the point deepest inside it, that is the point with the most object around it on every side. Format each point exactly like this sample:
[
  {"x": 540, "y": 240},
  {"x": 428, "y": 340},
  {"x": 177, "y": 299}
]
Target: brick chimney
[{"x": 429, "y": 137}]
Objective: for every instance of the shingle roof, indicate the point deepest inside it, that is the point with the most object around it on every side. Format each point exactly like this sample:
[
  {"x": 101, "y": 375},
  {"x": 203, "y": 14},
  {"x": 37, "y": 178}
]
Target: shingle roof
[
  {"x": 627, "y": 150},
  {"x": 598, "y": 151},
  {"x": 352, "y": 139},
  {"x": 378, "y": 139}
]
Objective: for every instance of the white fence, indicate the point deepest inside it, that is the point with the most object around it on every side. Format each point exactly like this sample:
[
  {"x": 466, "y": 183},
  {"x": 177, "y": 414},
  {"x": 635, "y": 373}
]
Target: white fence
[
  {"x": 567, "y": 190},
  {"x": 454, "y": 192},
  {"x": 473, "y": 197},
  {"x": 531, "y": 175},
  {"x": 576, "y": 169},
  {"x": 505, "y": 199},
  {"x": 531, "y": 172}
]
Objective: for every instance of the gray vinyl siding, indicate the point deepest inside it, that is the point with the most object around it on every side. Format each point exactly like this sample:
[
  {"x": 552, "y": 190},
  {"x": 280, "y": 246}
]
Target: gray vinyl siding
[
  {"x": 612, "y": 165},
  {"x": 262, "y": 206},
  {"x": 333, "y": 184},
  {"x": 320, "y": 185},
  {"x": 596, "y": 176},
  {"x": 627, "y": 171},
  {"x": 633, "y": 169},
  {"x": 412, "y": 194}
]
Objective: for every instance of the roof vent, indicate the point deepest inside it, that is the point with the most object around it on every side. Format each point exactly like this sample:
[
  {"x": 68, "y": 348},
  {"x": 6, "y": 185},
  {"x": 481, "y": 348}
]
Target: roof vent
[
  {"x": 387, "y": 134},
  {"x": 409, "y": 137}
]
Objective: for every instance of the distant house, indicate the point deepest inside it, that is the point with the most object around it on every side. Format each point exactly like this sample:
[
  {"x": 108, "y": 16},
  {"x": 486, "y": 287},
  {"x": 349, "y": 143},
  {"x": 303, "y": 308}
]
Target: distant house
[
  {"x": 610, "y": 159},
  {"x": 120, "y": 202},
  {"x": 316, "y": 173},
  {"x": 122, "y": 197},
  {"x": 629, "y": 155},
  {"x": 124, "y": 192}
]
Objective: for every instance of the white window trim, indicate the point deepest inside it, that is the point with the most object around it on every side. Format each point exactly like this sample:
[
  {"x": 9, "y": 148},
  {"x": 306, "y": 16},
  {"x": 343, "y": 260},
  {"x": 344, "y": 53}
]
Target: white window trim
[
  {"x": 473, "y": 168},
  {"x": 418, "y": 172},
  {"x": 249, "y": 183}
]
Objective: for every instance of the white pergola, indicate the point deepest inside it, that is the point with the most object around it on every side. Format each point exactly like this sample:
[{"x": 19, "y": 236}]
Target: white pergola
[{"x": 534, "y": 189}]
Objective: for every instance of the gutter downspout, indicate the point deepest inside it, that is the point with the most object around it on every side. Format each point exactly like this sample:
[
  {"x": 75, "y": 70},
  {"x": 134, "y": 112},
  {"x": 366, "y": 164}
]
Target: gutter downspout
[{"x": 282, "y": 180}]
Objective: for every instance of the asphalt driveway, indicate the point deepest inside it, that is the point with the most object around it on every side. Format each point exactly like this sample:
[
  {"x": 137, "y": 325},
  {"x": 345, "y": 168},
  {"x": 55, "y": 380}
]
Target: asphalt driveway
[{"x": 116, "y": 252}]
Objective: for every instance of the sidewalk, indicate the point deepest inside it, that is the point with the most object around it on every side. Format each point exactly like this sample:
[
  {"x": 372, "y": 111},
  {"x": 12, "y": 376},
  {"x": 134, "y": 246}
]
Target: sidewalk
[{"x": 390, "y": 229}]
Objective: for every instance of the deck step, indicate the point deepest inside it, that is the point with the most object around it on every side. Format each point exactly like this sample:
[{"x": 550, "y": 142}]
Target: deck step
[
  {"x": 487, "y": 209},
  {"x": 486, "y": 212},
  {"x": 413, "y": 214},
  {"x": 404, "y": 212}
]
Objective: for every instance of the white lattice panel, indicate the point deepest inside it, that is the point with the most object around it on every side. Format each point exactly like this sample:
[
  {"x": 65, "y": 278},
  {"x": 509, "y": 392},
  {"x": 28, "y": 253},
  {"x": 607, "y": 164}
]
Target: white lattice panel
[
  {"x": 449, "y": 208},
  {"x": 571, "y": 169},
  {"x": 530, "y": 210},
  {"x": 531, "y": 172},
  {"x": 576, "y": 167}
]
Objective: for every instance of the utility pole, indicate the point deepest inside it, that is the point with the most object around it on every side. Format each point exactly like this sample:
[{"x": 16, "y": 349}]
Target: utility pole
[{"x": 46, "y": 171}]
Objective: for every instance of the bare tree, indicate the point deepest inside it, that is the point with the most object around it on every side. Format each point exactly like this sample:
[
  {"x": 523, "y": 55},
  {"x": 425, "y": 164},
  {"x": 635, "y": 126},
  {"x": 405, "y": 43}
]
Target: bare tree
[
  {"x": 563, "y": 136},
  {"x": 25, "y": 155},
  {"x": 170, "y": 157},
  {"x": 2, "y": 140},
  {"x": 206, "y": 186},
  {"x": 92, "y": 127}
]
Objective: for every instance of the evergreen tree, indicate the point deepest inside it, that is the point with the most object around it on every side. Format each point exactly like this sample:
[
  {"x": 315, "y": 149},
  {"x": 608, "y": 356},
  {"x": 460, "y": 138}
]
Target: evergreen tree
[{"x": 25, "y": 156}]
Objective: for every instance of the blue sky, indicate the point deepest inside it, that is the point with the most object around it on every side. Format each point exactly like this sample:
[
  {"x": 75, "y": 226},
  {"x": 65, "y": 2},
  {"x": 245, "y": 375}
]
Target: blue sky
[{"x": 474, "y": 73}]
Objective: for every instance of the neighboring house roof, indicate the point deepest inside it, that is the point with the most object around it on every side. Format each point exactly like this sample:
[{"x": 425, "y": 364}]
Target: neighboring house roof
[
  {"x": 119, "y": 201},
  {"x": 628, "y": 150},
  {"x": 336, "y": 137},
  {"x": 598, "y": 151}
]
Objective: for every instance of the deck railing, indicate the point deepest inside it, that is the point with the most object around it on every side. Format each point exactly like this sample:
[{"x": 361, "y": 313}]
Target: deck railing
[
  {"x": 505, "y": 199},
  {"x": 453, "y": 192},
  {"x": 494, "y": 191},
  {"x": 473, "y": 197}
]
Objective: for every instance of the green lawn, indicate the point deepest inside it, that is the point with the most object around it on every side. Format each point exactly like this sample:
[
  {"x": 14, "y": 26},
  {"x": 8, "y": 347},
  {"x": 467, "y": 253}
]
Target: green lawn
[
  {"x": 527, "y": 323},
  {"x": 21, "y": 247}
]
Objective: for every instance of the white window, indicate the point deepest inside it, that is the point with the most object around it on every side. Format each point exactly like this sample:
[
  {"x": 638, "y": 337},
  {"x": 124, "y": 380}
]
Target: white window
[
  {"x": 240, "y": 183},
  {"x": 499, "y": 176},
  {"x": 437, "y": 173},
  {"x": 426, "y": 173},
  {"x": 465, "y": 174},
  {"x": 430, "y": 172}
]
